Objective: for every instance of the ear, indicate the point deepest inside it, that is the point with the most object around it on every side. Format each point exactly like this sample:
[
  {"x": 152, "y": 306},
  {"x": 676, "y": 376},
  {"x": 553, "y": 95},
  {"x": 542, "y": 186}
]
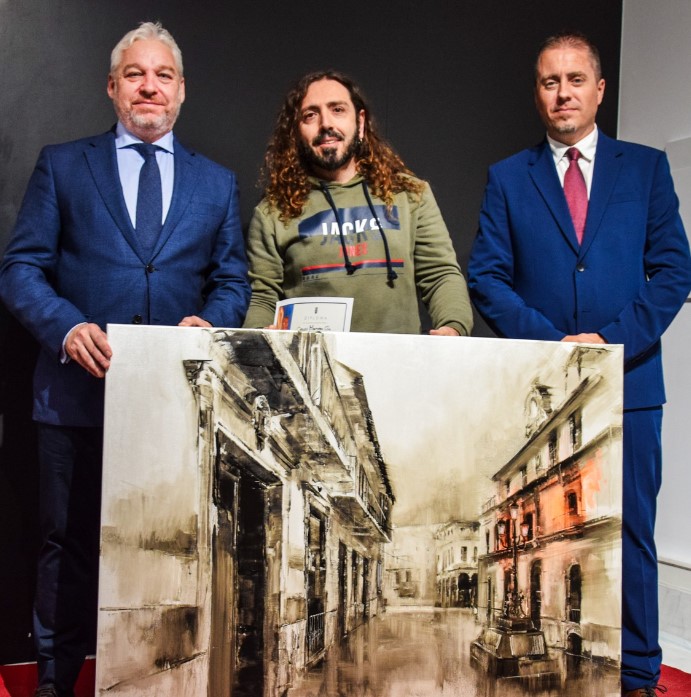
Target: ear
[
  {"x": 111, "y": 86},
  {"x": 182, "y": 90},
  {"x": 600, "y": 90},
  {"x": 361, "y": 124}
]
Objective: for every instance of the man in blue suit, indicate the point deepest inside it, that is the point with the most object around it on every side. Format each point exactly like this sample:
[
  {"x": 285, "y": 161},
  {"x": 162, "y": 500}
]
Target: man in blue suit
[
  {"x": 594, "y": 252},
  {"x": 111, "y": 230}
]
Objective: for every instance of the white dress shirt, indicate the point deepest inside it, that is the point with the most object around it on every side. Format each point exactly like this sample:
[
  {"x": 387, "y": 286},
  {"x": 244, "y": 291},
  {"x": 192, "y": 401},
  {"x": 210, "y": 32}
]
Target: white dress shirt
[{"x": 586, "y": 162}]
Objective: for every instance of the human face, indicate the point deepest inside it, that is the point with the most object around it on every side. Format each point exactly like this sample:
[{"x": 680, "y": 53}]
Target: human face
[
  {"x": 147, "y": 89},
  {"x": 330, "y": 129},
  {"x": 567, "y": 93}
]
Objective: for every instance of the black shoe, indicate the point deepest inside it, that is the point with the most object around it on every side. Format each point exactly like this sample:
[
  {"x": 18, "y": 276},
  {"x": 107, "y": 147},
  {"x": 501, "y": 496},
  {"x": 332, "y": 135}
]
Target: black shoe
[
  {"x": 650, "y": 691},
  {"x": 46, "y": 691}
]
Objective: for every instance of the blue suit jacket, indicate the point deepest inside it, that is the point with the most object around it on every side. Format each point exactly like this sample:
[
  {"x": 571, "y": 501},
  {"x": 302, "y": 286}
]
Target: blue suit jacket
[
  {"x": 74, "y": 257},
  {"x": 530, "y": 279}
]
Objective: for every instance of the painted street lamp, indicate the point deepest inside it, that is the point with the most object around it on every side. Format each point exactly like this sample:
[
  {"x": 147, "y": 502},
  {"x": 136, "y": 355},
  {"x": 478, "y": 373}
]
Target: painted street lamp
[{"x": 513, "y": 598}]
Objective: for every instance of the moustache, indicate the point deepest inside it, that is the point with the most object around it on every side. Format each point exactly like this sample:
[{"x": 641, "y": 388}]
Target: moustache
[{"x": 326, "y": 133}]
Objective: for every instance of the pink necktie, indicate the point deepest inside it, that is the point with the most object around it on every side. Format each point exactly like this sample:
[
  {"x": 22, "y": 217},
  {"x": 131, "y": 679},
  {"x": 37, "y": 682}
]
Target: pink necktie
[{"x": 576, "y": 193}]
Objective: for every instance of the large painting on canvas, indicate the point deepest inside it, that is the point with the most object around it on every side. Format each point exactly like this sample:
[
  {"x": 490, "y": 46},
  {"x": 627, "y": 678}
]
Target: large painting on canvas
[{"x": 297, "y": 514}]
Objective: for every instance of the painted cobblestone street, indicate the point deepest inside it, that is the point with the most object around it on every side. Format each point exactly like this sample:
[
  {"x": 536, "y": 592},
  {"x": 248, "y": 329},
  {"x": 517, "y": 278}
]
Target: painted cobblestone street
[{"x": 425, "y": 652}]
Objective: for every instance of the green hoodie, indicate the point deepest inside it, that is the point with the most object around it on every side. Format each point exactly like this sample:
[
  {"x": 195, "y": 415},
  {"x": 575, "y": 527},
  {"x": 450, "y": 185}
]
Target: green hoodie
[{"x": 306, "y": 257}]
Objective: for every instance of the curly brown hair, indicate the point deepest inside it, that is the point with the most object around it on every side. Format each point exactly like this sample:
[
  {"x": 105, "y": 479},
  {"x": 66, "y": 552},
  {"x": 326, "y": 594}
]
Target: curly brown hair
[{"x": 284, "y": 175}]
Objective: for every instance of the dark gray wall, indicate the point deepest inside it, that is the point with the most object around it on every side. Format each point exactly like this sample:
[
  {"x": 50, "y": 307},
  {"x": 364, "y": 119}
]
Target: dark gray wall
[{"x": 450, "y": 83}]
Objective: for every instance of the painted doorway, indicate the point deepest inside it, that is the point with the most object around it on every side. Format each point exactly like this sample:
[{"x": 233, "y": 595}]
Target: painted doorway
[
  {"x": 536, "y": 594},
  {"x": 342, "y": 589}
]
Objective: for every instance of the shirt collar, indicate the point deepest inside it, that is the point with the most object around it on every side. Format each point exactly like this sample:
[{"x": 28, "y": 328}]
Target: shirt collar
[
  {"x": 123, "y": 139},
  {"x": 586, "y": 146}
]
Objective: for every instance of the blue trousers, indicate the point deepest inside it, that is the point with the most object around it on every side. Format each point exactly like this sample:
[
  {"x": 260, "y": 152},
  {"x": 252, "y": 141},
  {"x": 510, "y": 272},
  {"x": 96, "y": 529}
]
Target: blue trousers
[
  {"x": 66, "y": 602},
  {"x": 641, "y": 653}
]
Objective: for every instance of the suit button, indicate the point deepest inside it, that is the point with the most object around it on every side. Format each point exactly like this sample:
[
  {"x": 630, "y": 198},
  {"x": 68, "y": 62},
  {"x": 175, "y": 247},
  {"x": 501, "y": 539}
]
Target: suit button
[
  {"x": 137, "y": 319},
  {"x": 150, "y": 268},
  {"x": 580, "y": 268}
]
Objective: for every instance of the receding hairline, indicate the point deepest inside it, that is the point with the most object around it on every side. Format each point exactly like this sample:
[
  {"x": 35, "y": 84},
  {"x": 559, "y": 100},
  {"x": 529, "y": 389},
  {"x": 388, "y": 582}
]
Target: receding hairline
[
  {"x": 301, "y": 87},
  {"x": 574, "y": 40},
  {"x": 348, "y": 97}
]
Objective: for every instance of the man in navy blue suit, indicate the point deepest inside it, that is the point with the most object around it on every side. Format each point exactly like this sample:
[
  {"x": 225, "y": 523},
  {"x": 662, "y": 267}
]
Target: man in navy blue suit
[
  {"x": 596, "y": 255},
  {"x": 88, "y": 250}
]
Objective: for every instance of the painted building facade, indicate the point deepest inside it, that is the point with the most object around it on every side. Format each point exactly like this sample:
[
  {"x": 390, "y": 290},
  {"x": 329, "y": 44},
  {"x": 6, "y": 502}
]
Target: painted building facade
[
  {"x": 550, "y": 525},
  {"x": 410, "y": 566},
  {"x": 243, "y": 524},
  {"x": 457, "y": 544}
]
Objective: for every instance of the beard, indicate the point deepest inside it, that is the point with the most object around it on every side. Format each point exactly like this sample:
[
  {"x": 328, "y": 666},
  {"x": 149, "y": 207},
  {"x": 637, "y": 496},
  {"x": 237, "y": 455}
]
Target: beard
[
  {"x": 565, "y": 128},
  {"x": 329, "y": 160},
  {"x": 156, "y": 123},
  {"x": 148, "y": 124}
]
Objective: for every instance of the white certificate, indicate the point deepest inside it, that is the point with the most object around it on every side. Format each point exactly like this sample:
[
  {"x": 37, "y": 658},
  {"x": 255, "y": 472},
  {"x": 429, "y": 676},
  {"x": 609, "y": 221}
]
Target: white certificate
[{"x": 314, "y": 314}]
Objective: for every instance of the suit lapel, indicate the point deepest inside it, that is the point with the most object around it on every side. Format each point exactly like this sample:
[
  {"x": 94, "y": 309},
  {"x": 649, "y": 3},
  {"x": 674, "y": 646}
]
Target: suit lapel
[
  {"x": 102, "y": 161},
  {"x": 186, "y": 174},
  {"x": 544, "y": 175},
  {"x": 608, "y": 164}
]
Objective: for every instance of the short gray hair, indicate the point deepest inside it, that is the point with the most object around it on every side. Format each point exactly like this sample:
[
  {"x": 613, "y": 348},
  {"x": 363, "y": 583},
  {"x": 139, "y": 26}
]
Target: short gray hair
[{"x": 145, "y": 31}]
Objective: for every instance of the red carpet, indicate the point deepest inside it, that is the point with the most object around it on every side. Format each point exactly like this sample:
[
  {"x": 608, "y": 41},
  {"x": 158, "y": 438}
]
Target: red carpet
[
  {"x": 677, "y": 682},
  {"x": 20, "y": 680}
]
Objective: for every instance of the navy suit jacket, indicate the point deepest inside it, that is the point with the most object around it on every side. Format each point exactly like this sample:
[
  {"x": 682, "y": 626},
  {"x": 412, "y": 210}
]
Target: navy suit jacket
[
  {"x": 74, "y": 257},
  {"x": 530, "y": 279}
]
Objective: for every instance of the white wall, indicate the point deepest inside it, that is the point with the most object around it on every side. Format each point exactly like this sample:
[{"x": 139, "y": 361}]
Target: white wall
[
  {"x": 655, "y": 109},
  {"x": 655, "y": 94}
]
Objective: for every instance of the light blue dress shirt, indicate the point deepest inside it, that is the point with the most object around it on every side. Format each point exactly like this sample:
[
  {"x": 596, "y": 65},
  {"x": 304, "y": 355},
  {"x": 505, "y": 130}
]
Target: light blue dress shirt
[{"x": 130, "y": 162}]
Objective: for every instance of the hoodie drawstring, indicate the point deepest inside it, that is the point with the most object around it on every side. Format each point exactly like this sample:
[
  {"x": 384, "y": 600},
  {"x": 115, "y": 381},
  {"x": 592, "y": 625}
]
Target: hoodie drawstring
[
  {"x": 391, "y": 275},
  {"x": 350, "y": 269}
]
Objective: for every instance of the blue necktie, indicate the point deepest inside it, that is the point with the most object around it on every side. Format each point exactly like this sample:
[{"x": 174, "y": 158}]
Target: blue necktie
[{"x": 149, "y": 198}]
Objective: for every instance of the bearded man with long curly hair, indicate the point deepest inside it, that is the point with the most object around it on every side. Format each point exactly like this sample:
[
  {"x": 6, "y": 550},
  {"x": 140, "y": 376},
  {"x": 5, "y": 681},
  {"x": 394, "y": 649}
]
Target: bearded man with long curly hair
[{"x": 343, "y": 216}]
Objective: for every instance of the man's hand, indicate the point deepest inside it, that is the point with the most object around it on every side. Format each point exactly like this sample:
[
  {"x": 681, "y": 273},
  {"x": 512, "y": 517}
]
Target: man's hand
[
  {"x": 193, "y": 321},
  {"x": 444, "y": 331},
  {"x": 585, "y": 338},
  {"x": 87, "y": 344}
]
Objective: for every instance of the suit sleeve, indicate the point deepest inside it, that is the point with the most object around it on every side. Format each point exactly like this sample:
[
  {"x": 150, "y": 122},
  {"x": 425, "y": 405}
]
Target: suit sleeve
[
  {"x": 667, "y": 266},
  {"x": 227, "y": 290},
  {"x": 491, "y": 274},
  {"x": 28, "y": 268}
]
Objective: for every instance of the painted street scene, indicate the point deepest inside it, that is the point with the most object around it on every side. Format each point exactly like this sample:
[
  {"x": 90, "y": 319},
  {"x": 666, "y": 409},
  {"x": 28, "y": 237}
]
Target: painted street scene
[
  {"x": 424, "y": 652},
  {"x": 297, "y": 514}
]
